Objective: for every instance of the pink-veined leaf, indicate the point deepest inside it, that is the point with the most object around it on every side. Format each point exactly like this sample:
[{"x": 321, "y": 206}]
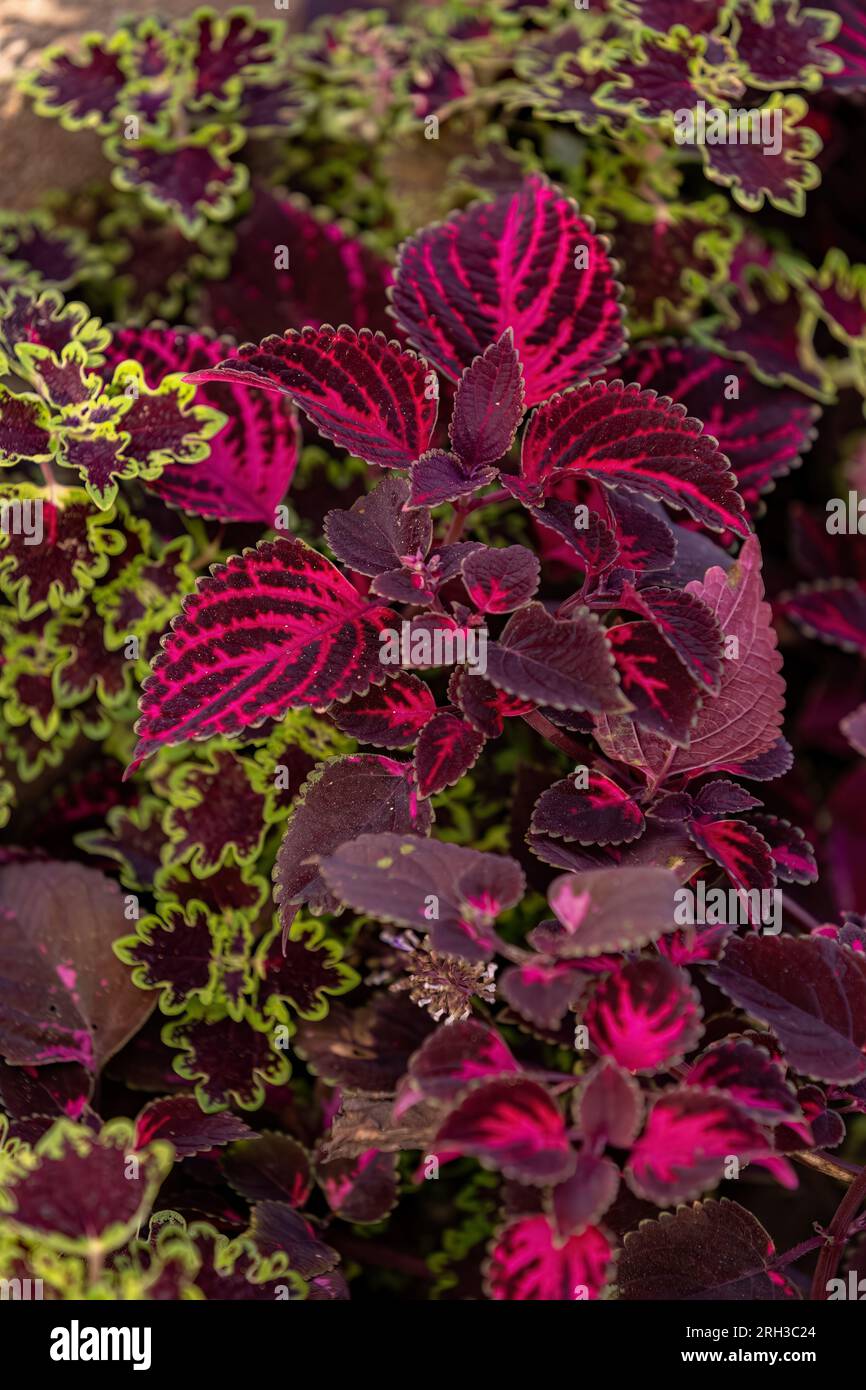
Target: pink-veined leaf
[
  {"x": 251, "y": 460},
  {"x": 688, "y": 627},
  {"x": 530, "y": 1262},
  {"x": 740, "y": 724},
  {"x": 738, "y": 849},
  {"x": 646, "y": 1016},
  {"x": 834, "y": 611},
  {"x": 501, "y": 579},
  {"x": 665, "y": 700},
  {"x": 447, "y": 748},
  {"x": 388, "y": 716},
  {"x": 750, "y": 1076},
  {"x": 513, "y": 1125},
  {"x": 764, "y": 432},
  {"x": 513, "y": 263},
  {"x": 361, "y": 390},
  {"x": 275, "y": 627},
  {"x": 793, "y": 856},
  {"x": 485, "y": 707},
  {"x": 600, "y": 813},
  {"x": 625, "y": 437},
  {"x": 456, "y": 1055},
  {"x": 689, "y": 1135}
]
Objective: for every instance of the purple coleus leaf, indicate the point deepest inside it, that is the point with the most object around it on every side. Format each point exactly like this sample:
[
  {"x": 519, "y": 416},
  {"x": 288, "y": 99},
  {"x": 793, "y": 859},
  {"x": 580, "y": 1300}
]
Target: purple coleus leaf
[
  {"x": 834, "y": 611},
  {"x": 447, "y": 748},
  {"x": 742, "y": 722},
  {"x": 376, "y": 532},
  {"x": 252, "y": 458},
  {"x": 583, "y": 1199},
  {"x": 738, "y": 849},
  {"x": 360, "y": 390},
  {"x": 782, "y": 172},
  {"x": 564, "y": 663},
  {"x": 849, "y": 44},
  {"x": 488, "y": 406},
  {"x": 810, "y": 991},
  {"x": 388, "y": 716},
  {"x": 615, "y": 909},
  {"x": 269, "y": 1167},
  {"x": 646, "y": 1016},
  {"x": 502, "y": 579},
  {"x": 275, "y": 627},
  {"x": 226, "y": 49},
  {"x": 325, "y": 275},
  {"x": 594, "y": 542},
  {"x": 347, "y": 797},
  {"x": 598, "y": 813},
  {"x": 687, "y": 625},
  {"x": 544, "y": 990},
  {"x": 526, "y": 261},
  {"x": 456, "y": 1055},
  {"x": 625, "y": 437},
  {"x": 84, "y": 90},
  {"x": 64, "y": 995},
  {"x": 750, "y": 1076},
  {"x": 485, "y": 707},
  {"x": 793, "y": 856},
  {"x": 192, "y": 177},
  {"x": 718, "y": 799},
  {"x": 438, "y": 477},
  {"x": 663, "y": 698},
  {"x": 181, "y": 1121},
  {"x": 707, "y": 1252},
  {"x": 514, "y": 1126},
  {"x": 763, "y": 430},
  {"x": 529, "y": 1261},
  {"x": 689, "y": 1135},
  {"x": 363, "y": 1189},
  {"x": 431, "y": 885},
  {"x": 608, "y": 1107}
]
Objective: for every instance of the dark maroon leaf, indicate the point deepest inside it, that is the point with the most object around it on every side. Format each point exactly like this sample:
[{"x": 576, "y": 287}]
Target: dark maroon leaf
[
  {"x": 270, "y": 1167},
  {"x": 543, "y": 991},
  {"x": 376, "y": 532},
  {"x": 566, "y": 664},
  {"x": 438, "y": 477},
  {"x": 64, "y": 995},
  {"x": 447, "y": 748},
  {"x": 793, "y": 856},
  {"x": 500, "y": 580},
  {"x": 342, "y": 799},
  {"x": 608, "y": 1108},
  {"x": 488, "y": 405},
  {"x": 706, "y": 1252},
  {"x": 181, "y": 1121},
  {"x": 810, "y": 991},
  {"x": 751, "y": 1078},
  {"x": 583, "y": 1199}
]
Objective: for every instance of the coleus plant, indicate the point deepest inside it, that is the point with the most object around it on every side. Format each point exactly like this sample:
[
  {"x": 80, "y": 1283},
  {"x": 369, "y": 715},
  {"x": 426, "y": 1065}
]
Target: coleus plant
[{"x": 386, "y": 917}]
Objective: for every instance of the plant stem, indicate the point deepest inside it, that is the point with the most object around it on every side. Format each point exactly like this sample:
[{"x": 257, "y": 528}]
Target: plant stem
[
  {"x": 544, "y": 726},
  {"x": 830, "y": 1167},
  {"x": 458, "y": 521},
  {"x": 799, "y": 913},
  {"x": 837, "y": 1235}
]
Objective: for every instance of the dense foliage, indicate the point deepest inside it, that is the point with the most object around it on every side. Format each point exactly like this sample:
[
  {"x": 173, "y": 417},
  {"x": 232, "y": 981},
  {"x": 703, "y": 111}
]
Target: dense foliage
[{"x": 419, "y": 460}]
